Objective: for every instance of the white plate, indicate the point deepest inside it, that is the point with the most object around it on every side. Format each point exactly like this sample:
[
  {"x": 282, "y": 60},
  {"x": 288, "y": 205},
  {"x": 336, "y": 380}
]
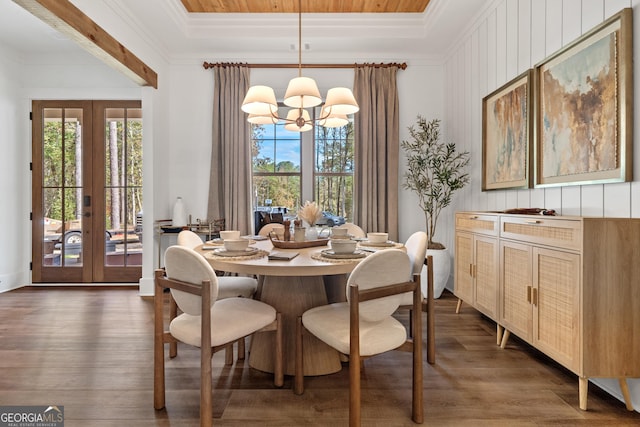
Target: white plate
[
  {"x": 220, "y": 242},
  {"x": 329, "y": 253},
  {"x": 386, "y": 244},
  {"x": 224, "y": 252}
]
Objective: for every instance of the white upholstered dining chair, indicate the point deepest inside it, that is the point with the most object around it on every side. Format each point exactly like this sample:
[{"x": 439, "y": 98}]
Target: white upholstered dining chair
[
  {"x": 268, "y": 228},
  {"x": 206, "y": 322},
  {"x": 228, "y": 287},
  {"x": 364, "y": 326},
  {"x": 353, "y": 229}
]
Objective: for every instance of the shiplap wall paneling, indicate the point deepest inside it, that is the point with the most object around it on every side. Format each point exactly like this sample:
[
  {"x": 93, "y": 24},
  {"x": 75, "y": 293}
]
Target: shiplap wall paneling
[
  {"x": 512, "y": 41},
  {"x": 524, "y": 36},
  {"x": 538, "y": 31},
  {"x": 501, "y": 45}
]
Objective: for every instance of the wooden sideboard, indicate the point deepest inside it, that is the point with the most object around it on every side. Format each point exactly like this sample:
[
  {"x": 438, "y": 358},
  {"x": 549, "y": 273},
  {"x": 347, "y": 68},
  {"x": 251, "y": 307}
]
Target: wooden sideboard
[{"x": 569, "y": 286}]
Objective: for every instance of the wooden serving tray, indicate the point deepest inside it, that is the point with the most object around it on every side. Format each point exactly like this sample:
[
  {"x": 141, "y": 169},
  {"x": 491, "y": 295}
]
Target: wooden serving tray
[{"x": 284, "y": 244}]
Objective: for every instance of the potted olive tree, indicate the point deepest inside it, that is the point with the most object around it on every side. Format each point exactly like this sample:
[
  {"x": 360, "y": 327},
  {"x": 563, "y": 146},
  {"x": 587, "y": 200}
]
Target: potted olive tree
[{"x": 435, "y": 170}]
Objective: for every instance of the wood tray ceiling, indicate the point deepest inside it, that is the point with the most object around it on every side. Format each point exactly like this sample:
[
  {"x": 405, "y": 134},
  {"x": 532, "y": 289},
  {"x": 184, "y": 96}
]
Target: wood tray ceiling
[{"x": 308, "y": 6}]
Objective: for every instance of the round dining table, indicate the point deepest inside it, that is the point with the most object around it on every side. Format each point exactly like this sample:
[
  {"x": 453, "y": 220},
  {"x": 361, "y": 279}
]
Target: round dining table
[{"x": 291, "y": 287}]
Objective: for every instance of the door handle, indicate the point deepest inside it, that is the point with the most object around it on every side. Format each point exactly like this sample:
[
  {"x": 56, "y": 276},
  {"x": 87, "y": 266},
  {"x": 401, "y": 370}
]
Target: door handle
[
  {"x": 529, "y": 294},
  {"x": 86, "y": 214}
]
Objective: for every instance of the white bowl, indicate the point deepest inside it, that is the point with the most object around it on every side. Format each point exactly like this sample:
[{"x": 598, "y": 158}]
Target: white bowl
[
  {"x": 343, "y": 246},
  {"x": 377, "y": 237},
  {"x": 236, "y": 245},
  {"x": 339, "y": 232},
  {"x": 230, "y": 234}
]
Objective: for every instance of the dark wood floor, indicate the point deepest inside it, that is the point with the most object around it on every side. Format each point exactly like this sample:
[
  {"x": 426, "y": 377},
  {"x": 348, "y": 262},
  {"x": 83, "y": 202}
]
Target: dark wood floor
[{"x": 91, "y": 351}]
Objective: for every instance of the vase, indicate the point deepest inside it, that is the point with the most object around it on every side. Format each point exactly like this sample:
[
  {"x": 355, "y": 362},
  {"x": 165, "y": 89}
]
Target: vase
[
  {"x": 311, "y": 233},
  {"x": 441, "y": 270},
  {"x": 179, "y": 218}
]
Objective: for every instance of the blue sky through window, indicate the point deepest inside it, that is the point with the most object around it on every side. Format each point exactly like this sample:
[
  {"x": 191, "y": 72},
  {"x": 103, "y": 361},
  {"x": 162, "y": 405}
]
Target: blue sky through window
[{"x": 288, "y": 145}]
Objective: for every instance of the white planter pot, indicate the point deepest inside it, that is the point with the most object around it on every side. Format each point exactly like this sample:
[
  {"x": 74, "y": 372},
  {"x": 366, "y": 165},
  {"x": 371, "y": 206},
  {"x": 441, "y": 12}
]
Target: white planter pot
[{"x": 441, "y": 270}]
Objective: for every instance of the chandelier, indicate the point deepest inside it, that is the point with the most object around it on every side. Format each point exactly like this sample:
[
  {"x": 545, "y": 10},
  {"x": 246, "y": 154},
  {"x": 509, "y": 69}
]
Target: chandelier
[{"x": 302, "y": 93}]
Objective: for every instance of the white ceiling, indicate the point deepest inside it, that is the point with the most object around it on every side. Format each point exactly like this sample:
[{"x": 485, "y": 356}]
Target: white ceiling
[{"x": 177, "y": 35}]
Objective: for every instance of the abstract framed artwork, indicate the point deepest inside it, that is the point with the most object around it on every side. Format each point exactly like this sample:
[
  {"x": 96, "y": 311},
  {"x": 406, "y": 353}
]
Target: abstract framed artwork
[
  {"x": 506, "y": 135},
  {"x": 584, "y": 108}
]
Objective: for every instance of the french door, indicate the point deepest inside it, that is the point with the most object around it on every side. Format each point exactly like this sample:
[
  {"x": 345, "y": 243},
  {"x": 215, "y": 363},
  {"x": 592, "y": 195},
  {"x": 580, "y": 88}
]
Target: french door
[{"x": 86, "y": 191}]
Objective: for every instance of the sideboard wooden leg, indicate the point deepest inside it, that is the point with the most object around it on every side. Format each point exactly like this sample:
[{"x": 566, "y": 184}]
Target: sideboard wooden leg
[
  {"x": 625, "y": 393},
  {"x": 505, "y": 338},
  {"x": 499, "y": 332},
  {"x": 459, "y": 306},
  {"x": 583, "y": 390}
]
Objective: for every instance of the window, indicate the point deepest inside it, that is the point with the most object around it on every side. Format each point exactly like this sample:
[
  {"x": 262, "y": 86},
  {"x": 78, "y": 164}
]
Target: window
[
  {"x": 333, "y": 172},
  {"x": 276, "y": 159},
  {"x": 287, "y": 171}
]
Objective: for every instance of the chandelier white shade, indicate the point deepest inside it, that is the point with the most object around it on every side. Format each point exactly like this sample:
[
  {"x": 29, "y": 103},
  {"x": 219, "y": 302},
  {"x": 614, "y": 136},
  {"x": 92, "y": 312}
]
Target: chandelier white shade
[
  {"x": 302, "y": 92},
  {"x": 260, "y": 101},
  {"x": 298, "y": 121}
]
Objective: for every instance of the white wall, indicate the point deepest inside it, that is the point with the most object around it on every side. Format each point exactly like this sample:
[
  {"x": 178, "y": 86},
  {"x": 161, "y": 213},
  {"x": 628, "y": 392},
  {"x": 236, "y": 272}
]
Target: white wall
[
  {"x": 511, "y": 37},
  {"x": 13, "y": 163}
]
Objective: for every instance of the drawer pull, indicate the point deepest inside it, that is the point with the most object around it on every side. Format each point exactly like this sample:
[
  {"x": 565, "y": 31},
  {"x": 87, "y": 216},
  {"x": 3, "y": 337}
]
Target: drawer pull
[
  {"x": 473, "y": 217},
  {"x": 529, "y": 294},
  {"x": 533, "y": 221}
]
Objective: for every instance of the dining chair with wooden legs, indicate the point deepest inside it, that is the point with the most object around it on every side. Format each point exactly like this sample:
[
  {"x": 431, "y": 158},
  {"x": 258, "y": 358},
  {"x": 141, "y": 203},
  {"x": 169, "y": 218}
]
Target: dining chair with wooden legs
[
  {"x": 416, "y": 246},
  {"x": 205, "y": 322},
  {"x": 228, "y": 287},
  {"x": 364, "y": 326}
]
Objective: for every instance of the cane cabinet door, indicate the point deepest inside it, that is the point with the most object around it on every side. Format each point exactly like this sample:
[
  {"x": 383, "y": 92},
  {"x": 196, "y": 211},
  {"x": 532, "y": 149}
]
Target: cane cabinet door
[
  {"x": 556, "y": 302},
  {"x": 516, "y": 313}
]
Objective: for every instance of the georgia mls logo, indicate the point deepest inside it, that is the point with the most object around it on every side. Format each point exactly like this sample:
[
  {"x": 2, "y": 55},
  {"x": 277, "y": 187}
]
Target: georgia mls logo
[
  {"x": 31, "y": 416},
  {"x": 56, "y": 411}
]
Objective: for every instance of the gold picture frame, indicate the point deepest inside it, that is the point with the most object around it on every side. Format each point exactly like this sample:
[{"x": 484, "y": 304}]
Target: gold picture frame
[
  {"x": 584, "y": 108},
  {"x": 506, "y": 135}
]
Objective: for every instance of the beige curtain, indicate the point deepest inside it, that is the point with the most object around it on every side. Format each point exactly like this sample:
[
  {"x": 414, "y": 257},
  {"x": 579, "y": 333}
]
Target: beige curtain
[
  {"x": 376, "y": 150},
  {"x": 230, "y": 179}
]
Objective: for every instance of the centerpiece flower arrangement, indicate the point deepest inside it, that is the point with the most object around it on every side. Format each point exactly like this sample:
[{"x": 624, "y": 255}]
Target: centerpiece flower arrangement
[{"x": 310, "y": 213}]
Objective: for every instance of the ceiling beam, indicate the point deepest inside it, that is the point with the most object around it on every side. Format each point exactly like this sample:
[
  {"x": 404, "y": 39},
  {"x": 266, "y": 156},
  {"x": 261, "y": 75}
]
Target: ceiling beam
[{"x": 71, "y": 21}]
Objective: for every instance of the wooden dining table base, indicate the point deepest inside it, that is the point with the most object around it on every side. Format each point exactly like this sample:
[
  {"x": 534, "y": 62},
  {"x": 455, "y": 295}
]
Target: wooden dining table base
[{"x": 292, "y": 296}]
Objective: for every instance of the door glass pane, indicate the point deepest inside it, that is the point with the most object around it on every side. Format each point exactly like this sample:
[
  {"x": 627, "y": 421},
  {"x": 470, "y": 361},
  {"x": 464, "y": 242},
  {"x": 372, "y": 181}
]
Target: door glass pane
[
  {"x": 123, "y": 185},
  {"x": 52, "y": 226},
  {"x": 62, "y": 187},
  {"x": 70, "y": 241}
]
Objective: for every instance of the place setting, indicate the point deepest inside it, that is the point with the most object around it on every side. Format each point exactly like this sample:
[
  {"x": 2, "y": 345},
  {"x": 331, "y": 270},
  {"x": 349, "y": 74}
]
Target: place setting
[
  {"x": 227, "y": 235},
  {"x": 377, "y": 241},
  {"x": 341, "y": 250},
  {"x": 232, "y": 245}
]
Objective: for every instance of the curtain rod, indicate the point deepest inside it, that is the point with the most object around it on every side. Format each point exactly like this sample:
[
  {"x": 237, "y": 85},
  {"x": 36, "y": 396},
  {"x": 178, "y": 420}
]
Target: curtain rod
[{"x": 402, "y": 66}]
